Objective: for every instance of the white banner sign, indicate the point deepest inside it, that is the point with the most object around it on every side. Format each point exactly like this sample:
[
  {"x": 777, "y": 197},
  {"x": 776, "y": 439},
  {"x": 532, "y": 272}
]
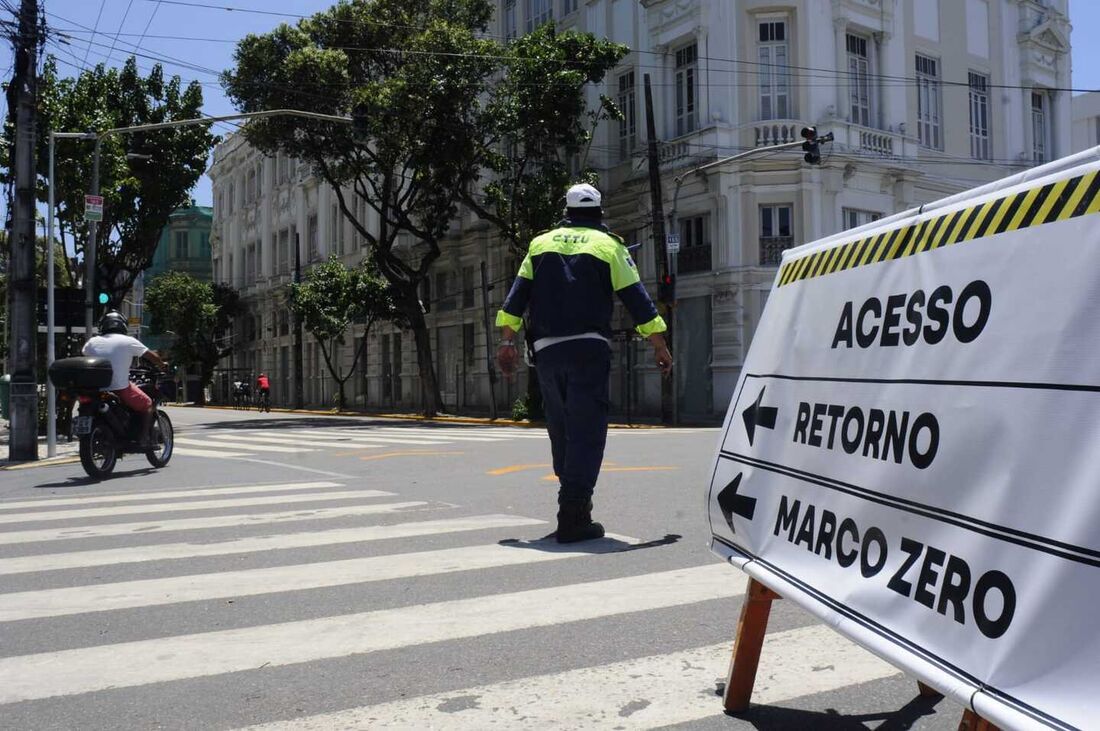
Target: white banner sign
[{"x": 913, "y": 450}]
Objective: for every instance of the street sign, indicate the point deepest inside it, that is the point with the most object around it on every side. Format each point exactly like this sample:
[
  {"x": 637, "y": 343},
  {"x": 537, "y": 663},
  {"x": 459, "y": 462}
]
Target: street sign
[
  {"x": 93, "y": 208},
  {"x": 910, "y": 453},
  {"x": 672, "y": 243}
]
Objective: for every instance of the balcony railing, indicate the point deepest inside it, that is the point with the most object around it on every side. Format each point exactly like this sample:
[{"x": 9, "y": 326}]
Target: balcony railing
[
  {"x": 772, "y": 247},
  {"x": 879, "y": 142},
  {"x": 694, "y": 259},
  {"x": 776, "y": 132}
]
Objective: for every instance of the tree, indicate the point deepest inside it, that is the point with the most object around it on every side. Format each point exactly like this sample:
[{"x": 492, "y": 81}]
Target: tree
[
  {"x": 537, "y": 119},
  {"x": 199, "y": 315},
  {"x": 332, "y": 298},
  {"x": 143, "y": 176},
  {"x": 414, "y": 74}
]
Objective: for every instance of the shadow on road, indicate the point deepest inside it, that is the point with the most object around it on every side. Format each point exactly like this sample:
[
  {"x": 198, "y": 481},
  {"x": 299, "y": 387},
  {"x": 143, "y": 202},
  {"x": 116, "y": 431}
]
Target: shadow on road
[
  {"x": 774, "y": 718},
  {"x": 549, "y": 544},
  {"x": 85, "y": 480}
]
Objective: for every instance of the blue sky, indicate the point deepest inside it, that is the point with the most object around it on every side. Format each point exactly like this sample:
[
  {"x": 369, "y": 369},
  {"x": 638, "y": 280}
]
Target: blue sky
[{"x": 212, "y": 30}]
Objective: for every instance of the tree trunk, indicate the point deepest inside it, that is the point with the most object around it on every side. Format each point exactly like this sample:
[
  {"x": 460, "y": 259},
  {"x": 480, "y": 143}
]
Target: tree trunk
[{"x": 429, "y": 387}]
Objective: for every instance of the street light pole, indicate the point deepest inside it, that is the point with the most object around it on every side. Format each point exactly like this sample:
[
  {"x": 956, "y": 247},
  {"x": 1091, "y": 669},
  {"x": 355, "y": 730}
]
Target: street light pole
[
  {"x": 51, "y": 393},
  {"x": 90, "y": 252}
]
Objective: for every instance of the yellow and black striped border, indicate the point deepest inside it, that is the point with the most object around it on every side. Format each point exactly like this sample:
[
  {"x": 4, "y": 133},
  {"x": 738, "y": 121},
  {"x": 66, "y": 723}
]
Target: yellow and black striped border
[{"x": 1065, "y": 199}]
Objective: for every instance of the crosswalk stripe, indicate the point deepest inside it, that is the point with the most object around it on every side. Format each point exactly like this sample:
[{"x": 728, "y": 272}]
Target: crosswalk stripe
[
  {"x": 674, "y": 686},
  {"x": 370, "y": 438},
  {"x": 274, "y": 579},
  {"x": 129, "y": 664},
  {"x": 190, "y": 452},
  {"x": 386, "y": 440},
  {"x": 319, "y": 443},
  {"x": 235, "y": 502},
  {"x": 134, "y": 497},
  {"x": 257, "y": 544},
  {"x": 145, "y": 527},
  {"x": 494, "y": 434},
  {"x": 448, "y": 437},
  {"x": 245, "y": 446}
]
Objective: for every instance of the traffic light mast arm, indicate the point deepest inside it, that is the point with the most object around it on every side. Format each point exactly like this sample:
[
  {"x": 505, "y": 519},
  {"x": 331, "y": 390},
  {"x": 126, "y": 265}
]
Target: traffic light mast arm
[{"x": 747, "y": 154}]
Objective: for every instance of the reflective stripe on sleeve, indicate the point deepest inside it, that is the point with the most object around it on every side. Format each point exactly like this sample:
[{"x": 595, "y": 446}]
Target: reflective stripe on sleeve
[{"x": 656, "y": 325}]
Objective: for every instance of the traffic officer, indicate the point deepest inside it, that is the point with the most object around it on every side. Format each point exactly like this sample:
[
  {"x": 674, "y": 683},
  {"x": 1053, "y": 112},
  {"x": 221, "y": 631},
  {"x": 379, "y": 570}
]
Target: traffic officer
[{"x": 566, "y": 282}]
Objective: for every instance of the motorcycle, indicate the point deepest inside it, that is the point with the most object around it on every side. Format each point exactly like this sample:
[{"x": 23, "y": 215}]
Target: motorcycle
[{"x": 105, "y": 427}]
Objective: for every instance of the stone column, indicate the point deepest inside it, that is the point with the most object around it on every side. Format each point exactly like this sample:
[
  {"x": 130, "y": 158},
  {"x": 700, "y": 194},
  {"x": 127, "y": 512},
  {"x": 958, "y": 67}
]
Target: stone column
[{"x": 843, "y": 95}]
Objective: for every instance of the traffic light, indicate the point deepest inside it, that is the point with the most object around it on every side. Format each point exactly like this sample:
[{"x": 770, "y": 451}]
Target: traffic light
[
  {"x": 102, "y": 279},
  {"x": 812, "y": 145},
  {"x": 666, "y": 288}
]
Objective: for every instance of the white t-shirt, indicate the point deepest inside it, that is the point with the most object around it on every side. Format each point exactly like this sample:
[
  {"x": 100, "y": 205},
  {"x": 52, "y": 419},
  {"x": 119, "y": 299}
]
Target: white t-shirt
[{"x": 120, "y": 350}]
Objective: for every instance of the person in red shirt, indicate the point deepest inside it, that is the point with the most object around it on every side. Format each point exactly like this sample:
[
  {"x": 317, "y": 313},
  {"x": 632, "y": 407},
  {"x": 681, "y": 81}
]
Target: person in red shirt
[{"x": 263, "y": 385}]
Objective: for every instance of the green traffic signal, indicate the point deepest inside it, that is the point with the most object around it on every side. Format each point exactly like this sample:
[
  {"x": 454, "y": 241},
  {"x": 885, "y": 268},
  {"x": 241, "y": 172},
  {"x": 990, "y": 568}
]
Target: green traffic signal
[{"x": 104, "y": 298}]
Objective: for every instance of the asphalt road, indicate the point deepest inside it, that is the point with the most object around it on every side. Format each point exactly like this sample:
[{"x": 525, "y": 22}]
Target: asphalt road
[{"x": 326, "y": 572}]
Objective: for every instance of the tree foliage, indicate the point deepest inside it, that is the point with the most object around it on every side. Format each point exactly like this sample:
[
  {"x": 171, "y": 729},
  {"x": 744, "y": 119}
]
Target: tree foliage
[
  {"x": 414, "y": 72},
  {"x": 199, "y": 316},
  {"x": 436, "y": 102},
  {"x": 139, "y": 194},
  {"x": 537, "y": 120},
  {"x": 331, "y": 299}
]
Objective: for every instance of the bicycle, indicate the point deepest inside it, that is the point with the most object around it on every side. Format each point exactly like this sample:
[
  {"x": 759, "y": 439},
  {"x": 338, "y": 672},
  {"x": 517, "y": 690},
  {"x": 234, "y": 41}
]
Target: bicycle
[{"x": 263, "y": 402}]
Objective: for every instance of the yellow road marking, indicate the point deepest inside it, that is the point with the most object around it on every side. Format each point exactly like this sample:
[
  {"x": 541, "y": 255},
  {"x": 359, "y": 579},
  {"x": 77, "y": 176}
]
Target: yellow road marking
[
  {"x": 515, "y": 468},
  {"x": 521, "y": 467},
  {"x": 386, "y": 455}
]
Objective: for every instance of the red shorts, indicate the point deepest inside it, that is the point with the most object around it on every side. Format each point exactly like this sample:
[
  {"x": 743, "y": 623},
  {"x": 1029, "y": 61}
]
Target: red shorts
[{"x": 134, "y": 399}]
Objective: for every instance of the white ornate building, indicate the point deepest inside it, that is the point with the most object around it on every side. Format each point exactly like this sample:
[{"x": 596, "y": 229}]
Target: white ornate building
[{"x": 925, "y": 98}]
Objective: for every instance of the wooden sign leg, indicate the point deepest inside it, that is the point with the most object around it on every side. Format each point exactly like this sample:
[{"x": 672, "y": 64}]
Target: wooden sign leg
[
  {"x": 973, "y": 722},
  {"x": 751, "y": 628},
  {"x": 927, "y": 691}
]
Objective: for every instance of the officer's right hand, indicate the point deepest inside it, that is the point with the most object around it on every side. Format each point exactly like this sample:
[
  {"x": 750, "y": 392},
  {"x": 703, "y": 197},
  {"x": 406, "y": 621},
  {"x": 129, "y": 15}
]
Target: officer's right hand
[
  {"x": 507, "y": 360},
  {"x": 663, "y": 357}
]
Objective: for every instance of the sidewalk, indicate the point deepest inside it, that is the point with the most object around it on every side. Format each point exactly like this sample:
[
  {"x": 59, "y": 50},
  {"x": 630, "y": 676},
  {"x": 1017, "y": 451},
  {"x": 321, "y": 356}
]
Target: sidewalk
[{"x": 67, "y": 452}]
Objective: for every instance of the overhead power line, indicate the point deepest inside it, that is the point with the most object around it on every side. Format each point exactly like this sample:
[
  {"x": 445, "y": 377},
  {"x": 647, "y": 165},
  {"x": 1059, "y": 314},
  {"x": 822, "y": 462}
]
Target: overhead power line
[
  {"x": 97, "y": 17},
  {"x": 783, "y": 68},
  {"x": 149, "y": 23}
]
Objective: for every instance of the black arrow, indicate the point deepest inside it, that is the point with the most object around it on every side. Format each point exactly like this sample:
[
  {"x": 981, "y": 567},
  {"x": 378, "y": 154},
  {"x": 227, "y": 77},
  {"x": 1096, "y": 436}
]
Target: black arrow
[
  {"x": 730, "y": 502},
  {"x": 757, "y": 415}
]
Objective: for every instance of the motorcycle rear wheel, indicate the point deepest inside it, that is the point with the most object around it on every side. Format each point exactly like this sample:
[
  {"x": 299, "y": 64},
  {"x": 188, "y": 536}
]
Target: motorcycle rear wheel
[{"x": 98, "y": 452}]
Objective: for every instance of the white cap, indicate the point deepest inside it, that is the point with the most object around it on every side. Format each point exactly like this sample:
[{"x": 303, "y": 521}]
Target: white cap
[{"x": 582, "y": 195}]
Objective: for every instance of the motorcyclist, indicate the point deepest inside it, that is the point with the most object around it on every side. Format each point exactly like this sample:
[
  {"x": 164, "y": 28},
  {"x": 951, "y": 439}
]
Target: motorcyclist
[{"x": 114, "y": 344}]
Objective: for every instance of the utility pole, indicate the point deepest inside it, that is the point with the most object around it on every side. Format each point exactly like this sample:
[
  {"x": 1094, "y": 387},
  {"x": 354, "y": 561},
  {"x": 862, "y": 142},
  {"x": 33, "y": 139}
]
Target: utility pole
[
  {"x": 668, "y": 385},
  {"x": 488, "y": 341},
  {"x": 299, "y": 380},
  {"x": 23, "y": 444}
]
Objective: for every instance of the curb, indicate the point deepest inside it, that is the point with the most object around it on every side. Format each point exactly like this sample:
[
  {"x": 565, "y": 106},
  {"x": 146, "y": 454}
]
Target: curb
[
  {"x": 416, "y": 417},
  {"x": 45, "y": 462}
]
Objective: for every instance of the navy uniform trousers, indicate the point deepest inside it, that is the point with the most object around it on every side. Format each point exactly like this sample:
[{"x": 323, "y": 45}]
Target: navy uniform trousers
[{"x": 574, "y": 379}]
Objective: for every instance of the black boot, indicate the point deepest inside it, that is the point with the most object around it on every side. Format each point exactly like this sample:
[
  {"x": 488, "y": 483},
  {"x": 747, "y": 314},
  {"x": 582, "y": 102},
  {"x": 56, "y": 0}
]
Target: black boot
[{"x": 575, "y": 521}]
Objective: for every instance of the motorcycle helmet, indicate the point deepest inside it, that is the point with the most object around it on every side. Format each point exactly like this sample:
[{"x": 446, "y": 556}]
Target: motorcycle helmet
[{"x": 112, "y": 322}]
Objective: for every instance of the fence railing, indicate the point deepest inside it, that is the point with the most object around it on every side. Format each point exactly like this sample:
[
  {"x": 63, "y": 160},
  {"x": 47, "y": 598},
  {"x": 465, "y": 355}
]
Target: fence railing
[{"x": 772, "y": 247}]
